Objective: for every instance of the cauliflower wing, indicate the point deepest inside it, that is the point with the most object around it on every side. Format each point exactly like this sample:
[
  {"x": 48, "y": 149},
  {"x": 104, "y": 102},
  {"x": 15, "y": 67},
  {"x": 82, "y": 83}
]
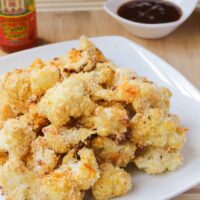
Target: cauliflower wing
[
  {"x": 155, "y": 160},
  {"x": 83, "y": 59},
  {"x": 16, "y": 180},
  {"x": 16, "y": 137},
  {"x": 111, "y": 120},
  {"x": 62, "y": 139},
  {"x": 17, "y": 88},
  {"x": 107, "y": 150},
  {"x": 85, "y": 171},
  {"x": 142, "y": 93},
  {"x": 58, "y": 186},
  {"x": 156, "y": 128},
  {"x": 113, "y": 182},
  {"x": 65, "y": 100},
  {"x": 43, "y": 79},
  {"x": 41, "y": 160}
]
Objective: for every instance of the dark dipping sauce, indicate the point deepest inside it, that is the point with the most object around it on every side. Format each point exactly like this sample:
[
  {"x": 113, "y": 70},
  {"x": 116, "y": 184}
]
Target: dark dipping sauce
[{"x": 150, "y": 11}]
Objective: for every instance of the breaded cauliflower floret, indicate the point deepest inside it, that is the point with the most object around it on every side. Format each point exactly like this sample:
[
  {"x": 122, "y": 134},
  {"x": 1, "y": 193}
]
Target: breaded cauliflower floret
[
  {"x": 16, "y": 137},
  {"x": 84, "y": 171},
  {"x": 107, "y": 150},
  {"x": 157, "y": 160},
  {"x": 15, "y": 180},
  {"x": 17, "y": 86},
  {"x": 62, "y": 139},
  {"x": 105, "y": 73},
  {"x": 111, "y": 120},
  {"x": 123, "y": 74},
  {"x": 36, "y": 121},
  {"x": 43, "y": 79},
  {"x": 156, "y": 128},
  {"x": 65, "y": 100},
  {"x": 150, "y": 96},
  {"x": 41, "y": 159},
  {"x": 113, "y": 182},
  {"x": 142, "y": 93},
  {"x": 85, "y": 58},
  {"x": 58, "y": 186}
]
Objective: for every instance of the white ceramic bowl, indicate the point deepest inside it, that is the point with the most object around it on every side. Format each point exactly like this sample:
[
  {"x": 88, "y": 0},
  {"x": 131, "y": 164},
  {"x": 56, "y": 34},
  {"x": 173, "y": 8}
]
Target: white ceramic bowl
[{"x": 151, "y": 31}]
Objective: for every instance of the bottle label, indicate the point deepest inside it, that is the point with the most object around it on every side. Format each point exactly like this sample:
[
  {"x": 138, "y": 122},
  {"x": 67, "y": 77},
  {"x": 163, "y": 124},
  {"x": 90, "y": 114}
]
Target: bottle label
[{"x": 17, "y": 22}]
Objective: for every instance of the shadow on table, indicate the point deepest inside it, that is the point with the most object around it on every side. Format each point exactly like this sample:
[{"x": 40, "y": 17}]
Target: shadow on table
[{"x": 42, "y": 42}]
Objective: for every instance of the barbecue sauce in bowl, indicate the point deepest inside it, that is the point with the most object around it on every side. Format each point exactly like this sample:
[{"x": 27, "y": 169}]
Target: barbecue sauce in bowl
[{"x": 150, "y": 11}]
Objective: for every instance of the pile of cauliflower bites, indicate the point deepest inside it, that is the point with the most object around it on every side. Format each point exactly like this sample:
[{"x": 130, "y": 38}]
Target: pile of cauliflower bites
[{"x": 74, "y": 123}]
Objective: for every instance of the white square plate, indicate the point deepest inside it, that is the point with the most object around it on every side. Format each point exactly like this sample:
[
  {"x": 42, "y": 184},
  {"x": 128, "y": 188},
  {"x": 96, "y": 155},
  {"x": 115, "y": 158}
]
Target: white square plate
[{"x": 185, "y": 102}]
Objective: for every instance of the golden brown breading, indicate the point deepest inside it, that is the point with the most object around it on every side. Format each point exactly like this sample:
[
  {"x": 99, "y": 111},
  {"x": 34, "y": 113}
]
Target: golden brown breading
[
  {"x": 156, "y": 128},
  {"x": 17, "y": 87},
  {"x": 21, "y": 86},
  {"x": 58, "y": 186},
  {"x": 107, "y": 150},
  {"x": 16, "y": 137},
  {"x": 105, "y": 73},
  {"x": 65, "y": 100},
  {"x": 67, "y": 125},
  {"x": 114, "y": 182},
  {"x": 123, "y": 74},
  {"x": 110, "y": 120},
  {"x": 83, "y": 59},
  {"x": 37, "y": 64},
  {"x": 62, "y": 139},
  {"x": 6, "y": 109},
  {"x": 85, "y": 171},
  {"x": 16, "y": 180},
  {"x": 42, "y": 160},
  {"x": 43, "y": 79},
  {"x": 140, "y": 92},
  {"x": 155, "y": 160},
  {"x": 3, "y": 157},
  {"x": 33, "y": 119}
]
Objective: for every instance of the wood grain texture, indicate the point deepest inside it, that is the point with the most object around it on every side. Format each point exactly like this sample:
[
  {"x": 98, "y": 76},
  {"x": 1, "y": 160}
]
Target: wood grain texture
[{"x": 181, "y": 49}]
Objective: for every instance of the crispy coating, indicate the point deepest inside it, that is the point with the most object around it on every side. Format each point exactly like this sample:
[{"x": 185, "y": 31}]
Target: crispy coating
[
  {"x": 42, "y": 160},
  {"x": 43, "y": 79},
  {"x": 65, "y": 100},
  {"x": 16, "y": 137},
  {"x": 155, "y": 160},
  {"x": 156, "y": 128},
  {"x": 142, "y": 93},
  {"x": 16, "y": 180},
  {"x": 113, "y": 182},
  {"x": 85, "y": 171},
  {"x": 33, "y": 119},
  {"x": 58, "y": 186},
  {"x": 17, "y": 88},
  {"x": 105, "y": 73},
  {"x": 37, "y": 64},
  {"x": 7, "y": 111},
  {"x": 83, "y": 59},
  {"x": 21, "y": 87},
  {"x": 3, "y": 157},
  {"x": 70, "y": 124},
  {"x": 123, "y": 74},
  {"x": 111, "y": 120},
  {"x": 62, "y": 139},
  {"x": 108, "y": 150}
]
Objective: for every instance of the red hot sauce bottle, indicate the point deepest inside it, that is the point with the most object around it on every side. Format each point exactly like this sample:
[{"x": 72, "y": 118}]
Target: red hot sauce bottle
[{"x": 18, "y": 30}]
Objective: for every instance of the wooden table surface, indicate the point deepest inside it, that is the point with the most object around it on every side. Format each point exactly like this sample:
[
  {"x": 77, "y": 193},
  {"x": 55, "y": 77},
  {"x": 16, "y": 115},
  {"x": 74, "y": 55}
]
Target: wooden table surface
[{"x": 181, "y": 49}]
